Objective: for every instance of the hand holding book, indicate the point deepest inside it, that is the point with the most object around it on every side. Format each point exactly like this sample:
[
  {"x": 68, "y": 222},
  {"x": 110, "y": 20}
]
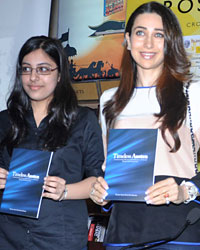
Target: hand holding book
[
  {"x": 130, "y": 163},
  {"x": 55, "y": 188},
  {"x": 23, "y": 189},
  {"x": 3, "y": 177},
  {"x": 129, "y": 166},
  {"x": 99, "y": 191}
]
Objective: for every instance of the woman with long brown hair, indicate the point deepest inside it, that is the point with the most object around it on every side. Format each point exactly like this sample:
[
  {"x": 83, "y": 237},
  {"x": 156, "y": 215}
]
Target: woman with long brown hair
[{"x": 154, "y": 93}]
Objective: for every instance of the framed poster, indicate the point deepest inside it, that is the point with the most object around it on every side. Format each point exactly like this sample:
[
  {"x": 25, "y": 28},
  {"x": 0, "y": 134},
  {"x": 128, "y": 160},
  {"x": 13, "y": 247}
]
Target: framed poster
[{"x": 92, "y": 33}]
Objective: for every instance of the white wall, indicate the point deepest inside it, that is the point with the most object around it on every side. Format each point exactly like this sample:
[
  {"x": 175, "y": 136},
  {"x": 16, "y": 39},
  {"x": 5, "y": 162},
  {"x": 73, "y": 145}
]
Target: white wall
[{"x": 19, "y": 20}]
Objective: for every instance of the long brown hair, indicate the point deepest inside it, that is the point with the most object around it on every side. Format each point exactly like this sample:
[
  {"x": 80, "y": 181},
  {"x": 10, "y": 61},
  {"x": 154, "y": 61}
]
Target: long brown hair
[{"x": 169, "y": 88}]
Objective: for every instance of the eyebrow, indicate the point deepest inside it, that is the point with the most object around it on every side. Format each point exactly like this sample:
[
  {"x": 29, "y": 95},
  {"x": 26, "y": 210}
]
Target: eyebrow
[
  {"x": 142, "y": 27},
  {"x": 46, "y": 63}
]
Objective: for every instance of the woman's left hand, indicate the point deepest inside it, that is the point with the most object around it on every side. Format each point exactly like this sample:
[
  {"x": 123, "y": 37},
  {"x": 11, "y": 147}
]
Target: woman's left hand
[
  {"x": 164, "y": 192},
  {"x": 54, "y": 187}
]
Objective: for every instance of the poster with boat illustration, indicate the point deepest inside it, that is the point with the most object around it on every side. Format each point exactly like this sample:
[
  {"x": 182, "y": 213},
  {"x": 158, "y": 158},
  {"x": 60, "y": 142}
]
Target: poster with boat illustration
[{"x": 92, "y": 33}]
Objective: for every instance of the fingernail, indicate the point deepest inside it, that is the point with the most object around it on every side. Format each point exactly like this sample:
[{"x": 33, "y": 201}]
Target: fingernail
[
  {"x": 105, "y": 196},
  {"x": 148, "y": 201}
]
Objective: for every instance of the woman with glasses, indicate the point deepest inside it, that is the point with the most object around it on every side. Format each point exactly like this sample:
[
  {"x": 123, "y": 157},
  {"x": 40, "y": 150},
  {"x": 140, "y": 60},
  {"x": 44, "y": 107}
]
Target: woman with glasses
[
  {"x": 154, "y": 94},
  {"x": 42, "y": 114}
]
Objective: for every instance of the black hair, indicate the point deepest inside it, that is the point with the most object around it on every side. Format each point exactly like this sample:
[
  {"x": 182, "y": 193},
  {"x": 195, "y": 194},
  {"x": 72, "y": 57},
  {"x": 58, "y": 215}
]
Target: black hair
[{"x": 62, "y": 109}]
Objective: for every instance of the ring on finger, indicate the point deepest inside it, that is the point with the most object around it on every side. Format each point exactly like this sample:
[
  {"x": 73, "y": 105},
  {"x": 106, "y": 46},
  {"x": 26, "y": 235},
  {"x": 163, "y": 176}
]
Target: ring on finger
[
  {"x": 92, "y": 191},
  {"x": 166, "y": 196}
]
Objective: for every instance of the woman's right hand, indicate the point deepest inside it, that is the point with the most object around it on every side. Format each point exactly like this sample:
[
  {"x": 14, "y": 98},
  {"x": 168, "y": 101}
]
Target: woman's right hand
[
  {"x": 3, "y": 177},
  {"x": 98, "y": 191}
]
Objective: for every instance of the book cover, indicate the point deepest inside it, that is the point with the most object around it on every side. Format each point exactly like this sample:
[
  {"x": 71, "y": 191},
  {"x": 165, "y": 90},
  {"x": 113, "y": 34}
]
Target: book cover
[
  {"x": 23, "y": 190},
  {"x": 91, "y": 232},
  {"x": 130, "y": 163}
]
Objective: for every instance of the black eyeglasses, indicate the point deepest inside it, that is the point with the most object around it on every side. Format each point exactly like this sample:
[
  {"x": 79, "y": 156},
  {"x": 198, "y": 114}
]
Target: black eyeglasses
[{"x": 40, "y": 70}]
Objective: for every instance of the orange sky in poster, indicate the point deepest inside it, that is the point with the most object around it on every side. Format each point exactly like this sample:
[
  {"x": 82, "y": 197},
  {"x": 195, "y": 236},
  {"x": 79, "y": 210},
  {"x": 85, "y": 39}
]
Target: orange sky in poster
[{"x": 109, "y": 48}]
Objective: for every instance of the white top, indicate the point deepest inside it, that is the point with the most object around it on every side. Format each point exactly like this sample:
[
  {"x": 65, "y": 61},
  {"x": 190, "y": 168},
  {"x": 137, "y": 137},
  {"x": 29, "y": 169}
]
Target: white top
[{"x": 139, "y": 113}]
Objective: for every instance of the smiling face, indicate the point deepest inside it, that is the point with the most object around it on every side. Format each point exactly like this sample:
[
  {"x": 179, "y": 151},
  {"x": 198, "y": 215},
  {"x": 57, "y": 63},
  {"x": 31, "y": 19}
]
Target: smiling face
[
  {"x": 39, "y": 88},
  {"x": 146, "y": 42}
]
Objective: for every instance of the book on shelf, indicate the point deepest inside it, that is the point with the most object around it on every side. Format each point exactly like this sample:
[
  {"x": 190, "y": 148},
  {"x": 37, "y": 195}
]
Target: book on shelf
[
  {"x": 23, "y": 190},
  {"x": 130, "y": 163},
  {"x": 97, "y": 225}
]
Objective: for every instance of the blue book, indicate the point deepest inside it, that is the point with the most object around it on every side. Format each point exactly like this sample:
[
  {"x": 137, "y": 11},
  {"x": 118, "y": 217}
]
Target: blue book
[
  {"x": 23, "y": 191},
  {"x": 130, "y": 163}
]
